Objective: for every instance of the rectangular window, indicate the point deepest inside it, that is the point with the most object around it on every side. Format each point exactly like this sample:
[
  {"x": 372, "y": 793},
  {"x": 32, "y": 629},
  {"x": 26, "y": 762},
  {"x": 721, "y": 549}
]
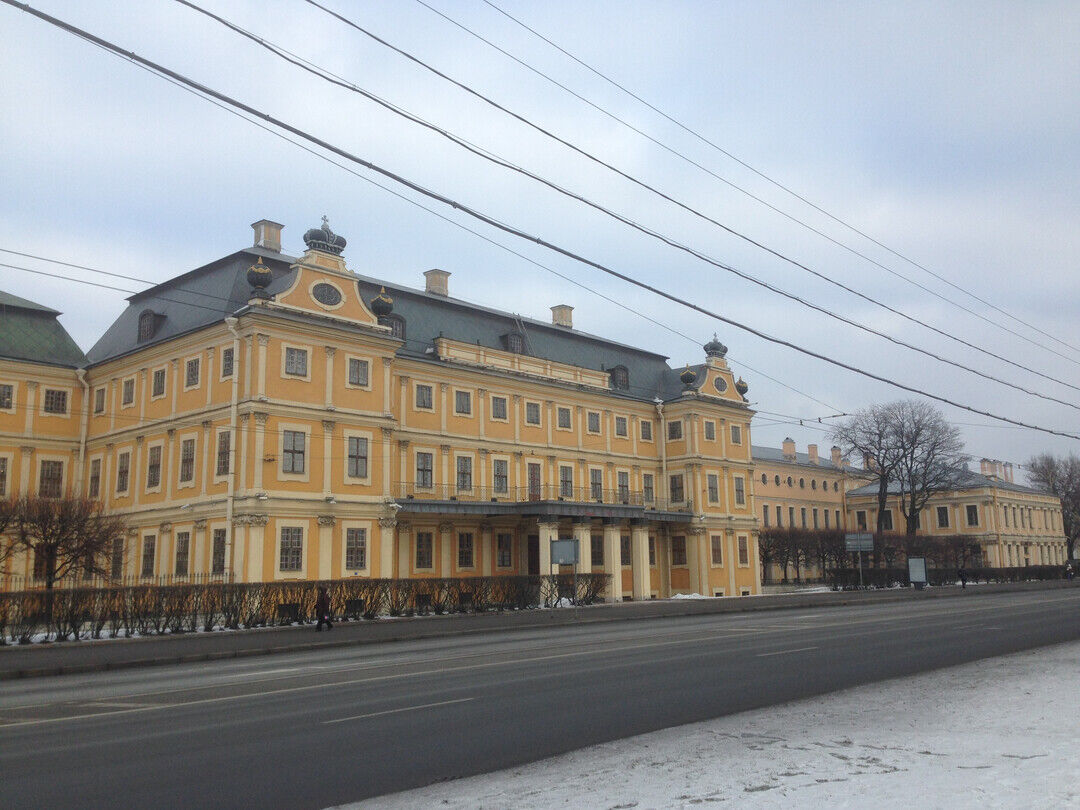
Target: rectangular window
[
  {"x": 56, "y": 401},
  {"x": 217, "y": 562},
  {"x": 500, "y": 476},
  {"x": 532, "y": 413},
  {"x": 802, "y": 516},
  {"x": 423, "y": 470},
  {"x": 646, "y": 431},
  {"x": 674, "y": 430},
  {"x": 128, "y": 395},
  {"x": 624, "y": 550},
  {"x": 356, "y": 549},
  {"x": 765, "y": 515},
  {"x": 564, "y": 418},
  {"x": 676, "y": 483},
  {"x": 464, "y": 473},
  {"x": 423, "y": 397},
  {"x": 291, "y": 556},
  {"x": 51, "y": 480},
  {"x": 7, "y": 396},
  {"x": 153, "y": 467},
  {"x": 886, "y": 521},
  {"x": 714, "y": 487},
  {"x": 503, "y": 548},
  {"x": 296, "y": 362},
  {"x": 972, "y": 515},
  {"x": 187, "y": 461},
  {"x": 358, "y": 457},
  {"x": 678, "y": 550},
  {"x": 816, "y": 526},
  {"x": 744, "y": 551},
  {"x": 779, "y": 517},
  {"x": 710, "y": 431},
  {"x": 648, "y": 490},
  {"x": 596, "y": 484},
  {"x": 943, "y": 517},
  {"x": 464, "y": 550},
  {"x": 123, "y": 467},
  {"x": 227, "y": 359},
  {"x": 596, "y": 542},
  {"x": 93, "y": 490},
  {"x": 424, "y": 549},
  {"x": 358, "y": 372},
  {"x": 183, "y": 544},
  {"x": 293, "y": 451},
  {"x": 157, "y": 385},
  {"x": 99, "y": 400},
  {"x": 566, "y": 482},
  {"x": 149, "y": 545},
  {"x": 736, "y": 434},
  {"x": 791, "y": 517},
  {"x": 463, "y": 403},
  {"x": 116, "y": 558},
  {"x": 826, "y": 513},
  {"x": 860, "y": 520},
  {"x": 224, "y": 444},
  {"x": 620, "y": 426},
  {"x": 191, "y": 373},
  {"x": 838, "y": 518},
  {"x": 622, "y": 478},
  {"x": 717, "y": 541},
  {"x": 740, "y": 491},
  {"x": 498, "y": 407},
  {"x": 593, "y": 422},
  {"x": 652, "y": 551}
]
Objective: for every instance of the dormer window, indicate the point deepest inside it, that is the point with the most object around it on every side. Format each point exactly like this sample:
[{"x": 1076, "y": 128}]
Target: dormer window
[
  {"x": 396, "y": 324},
  {"x": 515, "y": 342},
  {"x": 620, "y": 378},
  {"x": 148, "y": 322}
]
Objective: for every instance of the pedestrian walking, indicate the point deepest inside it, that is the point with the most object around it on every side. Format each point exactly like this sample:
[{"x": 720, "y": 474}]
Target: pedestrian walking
[
  {"x": 963, "y": 578},
  {"x": 1068, "y": 571},
  {"x": 322, "y": 610}
]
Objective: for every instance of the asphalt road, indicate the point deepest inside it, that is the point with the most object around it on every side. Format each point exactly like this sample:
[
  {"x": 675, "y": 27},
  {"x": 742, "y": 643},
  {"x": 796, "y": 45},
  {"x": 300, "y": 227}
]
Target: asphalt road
[{"x": 321, "y": 728}]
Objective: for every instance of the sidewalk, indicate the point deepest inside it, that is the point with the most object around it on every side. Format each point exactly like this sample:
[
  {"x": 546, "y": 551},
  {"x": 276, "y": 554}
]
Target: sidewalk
[{"x": 69, "y": 657}]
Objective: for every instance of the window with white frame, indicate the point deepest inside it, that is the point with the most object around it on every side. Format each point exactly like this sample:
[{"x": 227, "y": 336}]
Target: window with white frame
[
  {"x": 116, "y": 558},
  {"x": 972, "y": 514},
  {"x": 500, "y": 476},
  {"x": 566, "y": 482},
  {"x": 740, "y": 491},
  {"x": 93, "y": 489},
  {"x": 127, "y": 392},
  {"x": 678, "y": 550},
  {"x": 153, "y": 467},
  {"x": 191, "y": 373},
  {"x": 886, "y": 521},
  {"x": 646, "y": 430},
  {"x": 424, "y": 398},
  {"x": 596, "y": 544},
  {"x": 187, "y": 461},
  {"x": 717, "y": 543},
  {"x": 675, "y": 487},
  {"x": 532, "y": 413},
  {"x": 425, "y": 543},
  {"x": 465, "y": 550},
  {"x": 227, "y": 361},
  {"x": 620, "y": 427},
  {"x": 55, "y": 401},
  {"x": 359, "y": 372},
  {"x": 744, "y": 551},
  {"x": 464, "y": 473},
  {"x": 7, "y": 397},
  {"x": 593, "y": 421},
  {"x": 736, "y": 434},
  {"x": 943, "y": 517},
  {"x": 148, "y": 549},
  {"x": 498, "y": 408},
  {"x": 293, "y": 451},
  {"x": 51, "y": 479},
  {"x": 710, "y": 430},
  {"x": 291, "y": 552},
  {"x": 355, "y": 549},
  {"x": 563, "y": 418},
  {"x": 358, "y": 457},
  {"x": 674, "y": 430},
  {"x": 123, "y": 469},
  {"x": 624, "y": 550},
  {"x": 713, "y": 484},
  {"x": 183, "y": 547},
  {"x": 596, "y": 484},
  {"x": 504, "y": 543},
  {"x": 296, "y": 362},
  {"x": 99, "y": 400},
  {"x": 217, "y": 557},
  {"x": 224, "y": 445},
  {"x": 622, "y": 480},
  {"x": 463, "y": 403},
  {"x": 424, "y": 462},
  {"x": 157, "y": 383},
  {"x": 648, "y": 488}
]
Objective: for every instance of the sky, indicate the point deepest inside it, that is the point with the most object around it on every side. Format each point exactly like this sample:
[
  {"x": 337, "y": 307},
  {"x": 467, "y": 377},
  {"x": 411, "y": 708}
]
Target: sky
[{"x": 947, "y": 133}]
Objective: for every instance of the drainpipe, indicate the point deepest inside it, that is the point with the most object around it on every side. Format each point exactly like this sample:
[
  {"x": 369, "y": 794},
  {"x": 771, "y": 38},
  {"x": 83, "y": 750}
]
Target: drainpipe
[
  {"x": 83, "y": 423},
  {"x": 661, "y": 442},
  {"x": 231, "y": 324}
]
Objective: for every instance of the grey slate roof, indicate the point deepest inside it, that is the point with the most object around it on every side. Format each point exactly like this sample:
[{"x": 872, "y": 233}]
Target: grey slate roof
[
  {"x": 29, "y": 331},
  {"x": 965, "y": 479},
  {"x": 776, "y": 454},
  {"x": 194, "y": 300}
]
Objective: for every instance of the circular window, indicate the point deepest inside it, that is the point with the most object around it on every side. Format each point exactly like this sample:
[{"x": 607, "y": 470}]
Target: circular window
[
  {"x": 326, "y": 294},
  {"x": 802, "y": 483},
  {"x": 764, "y": 478},
  {"x": 789, "y": 480},
  {"x": 813, "y": 484},
  {"x": 777, "y": 480},
  {"x": 720, "y": 384}
]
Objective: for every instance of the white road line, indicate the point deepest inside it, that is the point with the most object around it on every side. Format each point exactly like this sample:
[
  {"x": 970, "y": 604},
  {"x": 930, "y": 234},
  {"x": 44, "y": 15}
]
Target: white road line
[
  {"x": 785, "y": 652},
  {"x": 396, "y": 711}
]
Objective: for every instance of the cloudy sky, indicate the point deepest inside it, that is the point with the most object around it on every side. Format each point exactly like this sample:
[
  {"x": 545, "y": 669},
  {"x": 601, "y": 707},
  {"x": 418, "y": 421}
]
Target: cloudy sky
[{"x": 950, "y": 133}]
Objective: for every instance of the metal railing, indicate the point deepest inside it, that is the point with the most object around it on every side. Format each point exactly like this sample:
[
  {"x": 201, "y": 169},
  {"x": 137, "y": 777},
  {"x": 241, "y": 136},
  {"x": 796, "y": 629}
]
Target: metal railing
[
  {"x": 19, "y": 582},
  {"x": 539, "y": 492}
]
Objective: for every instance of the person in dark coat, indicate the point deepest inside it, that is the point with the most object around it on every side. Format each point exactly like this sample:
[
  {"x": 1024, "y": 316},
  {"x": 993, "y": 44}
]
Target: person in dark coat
[
  {"x": 322, "y": 610},
  {"x": 963, "y": 578}
]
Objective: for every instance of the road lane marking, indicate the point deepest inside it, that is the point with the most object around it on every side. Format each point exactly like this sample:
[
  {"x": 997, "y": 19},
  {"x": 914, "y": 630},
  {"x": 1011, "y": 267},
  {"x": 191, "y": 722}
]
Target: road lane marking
[
  {"x": 785, "y": 652},
  {"x": 396, "y": 711}
]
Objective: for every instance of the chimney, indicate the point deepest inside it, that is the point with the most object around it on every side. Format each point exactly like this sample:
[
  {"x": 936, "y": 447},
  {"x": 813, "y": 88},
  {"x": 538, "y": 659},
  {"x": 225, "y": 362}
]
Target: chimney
[
  {"x": 986, "y": 467},
  {"x": 268, "y": 234},
  {"x": 999, "y": 469},
  {"x": 811, "y": 450},
  {"x": 789, "y": 448},
  {"x": 435, "y": 282},
  {"x": 837, "y": 457},
  {"x": 563, "y": 315},
  {"x": 1008, "y": 472}
]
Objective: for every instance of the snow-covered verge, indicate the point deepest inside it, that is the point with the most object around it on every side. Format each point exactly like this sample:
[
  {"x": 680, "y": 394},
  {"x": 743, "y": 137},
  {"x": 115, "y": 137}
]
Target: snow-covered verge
[{"x": 999, "y": 733}]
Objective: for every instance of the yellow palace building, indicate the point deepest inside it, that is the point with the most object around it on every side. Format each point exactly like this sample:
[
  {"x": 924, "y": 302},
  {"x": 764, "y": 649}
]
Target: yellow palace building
[{"x": 268, "y": 417}]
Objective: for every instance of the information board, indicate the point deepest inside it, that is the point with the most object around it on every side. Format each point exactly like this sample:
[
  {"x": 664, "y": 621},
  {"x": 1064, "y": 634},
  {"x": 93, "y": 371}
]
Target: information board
[
  {"x": 564, "y": 552},
  {"x": 916, "y": 567},
  {"x": 859, "y": 541}
]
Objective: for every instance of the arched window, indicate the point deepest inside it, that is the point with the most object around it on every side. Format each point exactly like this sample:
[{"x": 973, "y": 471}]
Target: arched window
[
  {"x": 776, "y": 480},
  {"x": 764, "y": 478},
  {"x": 396, "y": 324},
  {"x": 802, "y": 483},
  {"x": 147, "y": 325},
  {"x": 789, "y": 482},
  {"x": 620, "y": 378},
  {"x": 813, "y": 484}
]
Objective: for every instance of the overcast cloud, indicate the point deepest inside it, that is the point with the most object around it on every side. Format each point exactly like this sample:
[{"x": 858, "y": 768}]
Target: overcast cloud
[{"x": 951, "y": 134}]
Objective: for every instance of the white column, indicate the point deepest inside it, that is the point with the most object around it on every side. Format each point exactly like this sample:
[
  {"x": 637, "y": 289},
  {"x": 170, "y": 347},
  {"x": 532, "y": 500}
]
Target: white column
[
  {"x": 487, "y": 551},
  {"x": 328, "y": 454},
  {"x": 446, "y": 549},
  {"x": 326, "y": 544},
  {"x": 387, "y": 526},
  {"x": 330, "y": 352},
  {"x": 613, "y": 559},
  {"x": 548, "y": 532},
  {"x": 639, "y": 560},
  {"x": 260, "y": 386},
  {"x": 583, "y": 535}
]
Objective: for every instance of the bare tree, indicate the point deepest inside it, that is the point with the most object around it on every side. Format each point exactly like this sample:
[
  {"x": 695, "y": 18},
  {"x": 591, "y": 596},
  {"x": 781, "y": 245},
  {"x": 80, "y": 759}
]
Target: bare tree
[
  {"x": 1060, "y": 476},
  {"x": 7, "y": 518},
  {"x": 930, "y": 456},
  {"x": 869, "y": 436}
]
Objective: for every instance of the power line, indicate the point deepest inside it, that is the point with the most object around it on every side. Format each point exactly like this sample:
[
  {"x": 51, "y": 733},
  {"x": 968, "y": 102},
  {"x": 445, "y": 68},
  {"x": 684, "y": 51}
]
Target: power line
[
  {"x": 491, "y": 221},
  {"x": 777, "y": 184},
  {"x": 491, "y": 157}
]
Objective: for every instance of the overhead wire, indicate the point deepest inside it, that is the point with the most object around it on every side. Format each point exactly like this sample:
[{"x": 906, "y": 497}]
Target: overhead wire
[{"x": 509, "y": 229}]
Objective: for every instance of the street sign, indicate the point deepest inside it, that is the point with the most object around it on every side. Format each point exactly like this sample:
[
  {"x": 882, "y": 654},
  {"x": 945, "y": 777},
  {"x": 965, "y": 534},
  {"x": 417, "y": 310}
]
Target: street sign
[
  {"x": 859, "y": 541},
  {"x": 564, "y": 552}
]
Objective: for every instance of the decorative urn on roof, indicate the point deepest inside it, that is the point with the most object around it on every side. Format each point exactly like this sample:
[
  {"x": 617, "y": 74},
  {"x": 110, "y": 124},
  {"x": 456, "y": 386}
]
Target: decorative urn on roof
[
  {"x": 714, "y": 348},
  {"x": 259, "y": 277},
  {"x": 741, "y": 387},
  {"x": 324, "y": 239},
  {"x": 382, "y": 304},
  {"x": 688, "y": 377}
]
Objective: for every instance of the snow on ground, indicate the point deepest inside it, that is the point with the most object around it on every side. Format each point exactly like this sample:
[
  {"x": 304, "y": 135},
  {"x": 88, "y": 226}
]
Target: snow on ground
[{"x": 998, "y": 733}]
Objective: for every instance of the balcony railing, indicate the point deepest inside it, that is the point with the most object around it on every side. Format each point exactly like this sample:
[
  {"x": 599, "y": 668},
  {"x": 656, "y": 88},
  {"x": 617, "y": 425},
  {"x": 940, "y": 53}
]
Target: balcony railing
[{"x": 536, "y": 493}]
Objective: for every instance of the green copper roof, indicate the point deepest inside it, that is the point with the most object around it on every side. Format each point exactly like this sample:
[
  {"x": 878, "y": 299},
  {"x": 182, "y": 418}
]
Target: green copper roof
[{"x": 29, "y": 331}]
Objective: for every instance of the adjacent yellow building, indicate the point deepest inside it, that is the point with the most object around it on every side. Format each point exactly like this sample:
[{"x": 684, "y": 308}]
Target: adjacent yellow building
[{"x": 269, "y": 417}]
